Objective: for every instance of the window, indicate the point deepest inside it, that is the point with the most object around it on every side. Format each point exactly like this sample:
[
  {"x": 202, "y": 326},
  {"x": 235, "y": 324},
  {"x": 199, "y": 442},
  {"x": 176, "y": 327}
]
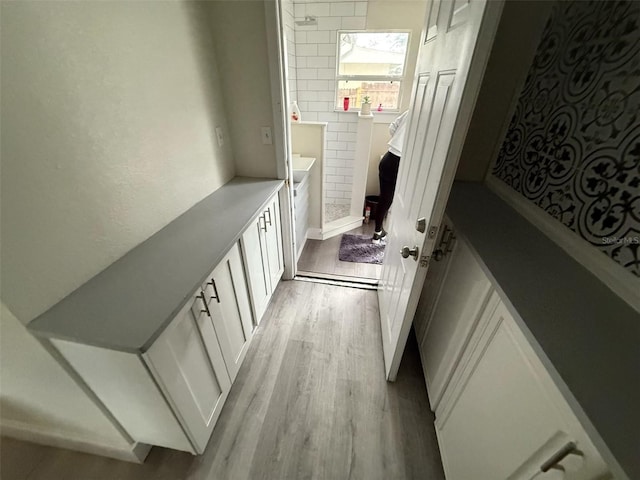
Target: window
[{"x": 371, "y": 64}]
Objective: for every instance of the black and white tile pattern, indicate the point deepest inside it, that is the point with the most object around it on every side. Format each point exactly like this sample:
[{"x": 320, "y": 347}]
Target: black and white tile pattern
[{"x": 573, "y": 145}]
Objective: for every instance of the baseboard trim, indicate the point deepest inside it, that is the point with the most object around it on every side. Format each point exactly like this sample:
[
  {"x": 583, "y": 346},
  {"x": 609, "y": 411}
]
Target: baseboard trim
[
  {"x": 341, "y": 278},
  {"x": 338, "y": 283},
  {"x": 620, "y": 281},
  {"x": 334, "y": 228},
  {"x": 134, "y": 453}
]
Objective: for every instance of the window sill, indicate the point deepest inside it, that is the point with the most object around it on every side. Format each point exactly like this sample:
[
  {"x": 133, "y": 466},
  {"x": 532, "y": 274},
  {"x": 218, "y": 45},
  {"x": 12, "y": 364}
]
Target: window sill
[
  {"x": 386, "y": 116},
  {"x": 373, "y": 112}
]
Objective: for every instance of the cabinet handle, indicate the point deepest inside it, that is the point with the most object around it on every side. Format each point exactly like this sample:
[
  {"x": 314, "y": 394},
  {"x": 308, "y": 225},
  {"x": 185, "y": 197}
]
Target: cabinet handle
[
  {"x": 268, "y": 210},
  {"x": 264, "y": 228},
  {"x": 568, "y": 449},
  {"x": 444, "y": 239},
  {"x": 204, "y": 301},
  {"x": 450, "y": 244},
  {"x": 215, "y": 289}
]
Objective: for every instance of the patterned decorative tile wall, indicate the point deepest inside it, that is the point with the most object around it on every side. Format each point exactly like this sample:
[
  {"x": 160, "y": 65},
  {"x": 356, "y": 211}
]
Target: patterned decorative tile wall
[
  {"x": 315, "y": 53},
  {"x": 573, "y": 145}
]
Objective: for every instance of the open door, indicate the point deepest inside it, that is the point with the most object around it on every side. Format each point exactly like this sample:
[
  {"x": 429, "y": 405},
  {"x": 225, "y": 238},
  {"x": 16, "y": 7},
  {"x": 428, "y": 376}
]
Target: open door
[{"x": 457, "y": 39}]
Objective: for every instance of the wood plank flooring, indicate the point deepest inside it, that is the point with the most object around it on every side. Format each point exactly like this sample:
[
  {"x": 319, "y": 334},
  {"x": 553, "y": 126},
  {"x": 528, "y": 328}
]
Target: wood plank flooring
[
  {"x": 310, "y": 402},
  {"x": 321, "y": 256}
]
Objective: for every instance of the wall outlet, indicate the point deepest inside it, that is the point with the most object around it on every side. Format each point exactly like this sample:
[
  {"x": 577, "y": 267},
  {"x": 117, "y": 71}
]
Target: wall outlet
[
  {"x": 220, "y": 136},
  {"x": 266, "y": 136}
]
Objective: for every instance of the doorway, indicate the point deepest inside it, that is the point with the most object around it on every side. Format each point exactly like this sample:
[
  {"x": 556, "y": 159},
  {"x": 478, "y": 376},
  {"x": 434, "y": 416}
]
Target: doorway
[
  {"x": 326, "y": 258},
  {"x": 345, "y": 145}
]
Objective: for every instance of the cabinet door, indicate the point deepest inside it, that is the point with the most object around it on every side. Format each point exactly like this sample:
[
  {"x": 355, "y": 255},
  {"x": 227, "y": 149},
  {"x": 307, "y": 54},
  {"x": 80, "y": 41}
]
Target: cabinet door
[
  {"x": 187, "y": 363},
  {"x": 231, "y": 311},
  {"x": 503, "y": 418},
  {"x": 463, "y": 295},
  {"x": 254, "y": 252},
  {"x": 274, "y": 241},
  {"x": 433, "y": 286}
]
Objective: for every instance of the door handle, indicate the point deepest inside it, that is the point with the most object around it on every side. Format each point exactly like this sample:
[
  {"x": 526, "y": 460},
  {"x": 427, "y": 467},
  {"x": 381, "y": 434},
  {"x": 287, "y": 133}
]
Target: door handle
[
  {"x": 263, "y": 228},
  {"x": 406, "y": 252},
  {"x": 268, "y": 210}
]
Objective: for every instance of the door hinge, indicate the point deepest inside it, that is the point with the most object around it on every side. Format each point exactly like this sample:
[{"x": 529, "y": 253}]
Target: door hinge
[
  {"x": 286, "y": 182},
  {"x": 424, "y": 261}
]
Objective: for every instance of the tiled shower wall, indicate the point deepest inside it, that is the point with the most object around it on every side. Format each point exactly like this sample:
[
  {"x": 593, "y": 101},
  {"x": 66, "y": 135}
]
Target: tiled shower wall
[
  {"x": 314, "y": 81},
  {"x": 288, "y": 25},
  {"x": 573, "y": 146}
]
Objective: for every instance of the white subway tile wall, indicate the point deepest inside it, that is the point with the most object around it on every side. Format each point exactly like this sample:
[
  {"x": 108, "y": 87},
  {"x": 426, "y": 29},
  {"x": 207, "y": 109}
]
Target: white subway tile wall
[
  {"x": 315, "y": 52},
  {"x": 288, "y": 25}
]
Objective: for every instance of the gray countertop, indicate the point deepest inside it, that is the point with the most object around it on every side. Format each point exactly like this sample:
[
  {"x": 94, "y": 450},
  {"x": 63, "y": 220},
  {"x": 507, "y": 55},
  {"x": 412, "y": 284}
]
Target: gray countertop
[
  {"x": 127, "y": 305},
  {"x": 590, "y": 336}
]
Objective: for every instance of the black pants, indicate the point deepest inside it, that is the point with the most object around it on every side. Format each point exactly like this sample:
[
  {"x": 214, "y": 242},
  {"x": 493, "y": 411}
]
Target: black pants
[{"x": 388, "y": 174}]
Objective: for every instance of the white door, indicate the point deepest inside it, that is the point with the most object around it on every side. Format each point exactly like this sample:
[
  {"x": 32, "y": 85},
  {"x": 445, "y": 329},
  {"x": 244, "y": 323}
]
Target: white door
[{"x": 451, "y": 61}]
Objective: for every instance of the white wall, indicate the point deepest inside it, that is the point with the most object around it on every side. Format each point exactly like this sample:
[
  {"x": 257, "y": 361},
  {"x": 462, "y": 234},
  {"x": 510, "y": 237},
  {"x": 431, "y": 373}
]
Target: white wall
[
  {"x": 513, "y": 51},
  {"x": 379, "y": 147},
  {"x": 38, "y": 397},
  {"x": 239, "y": 33},
  {"x": 108, "y": 116},
  {"x": 107, "y": 124}
]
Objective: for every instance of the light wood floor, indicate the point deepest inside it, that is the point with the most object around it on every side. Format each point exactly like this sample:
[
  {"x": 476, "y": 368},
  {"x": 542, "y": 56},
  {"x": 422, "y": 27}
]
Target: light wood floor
[
  {"x": 310, "y": 402},
  {"x": 321, "y": 256}
]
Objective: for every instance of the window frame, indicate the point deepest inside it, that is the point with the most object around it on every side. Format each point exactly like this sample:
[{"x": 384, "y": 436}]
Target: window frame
[{"x": 376, "y": 78}]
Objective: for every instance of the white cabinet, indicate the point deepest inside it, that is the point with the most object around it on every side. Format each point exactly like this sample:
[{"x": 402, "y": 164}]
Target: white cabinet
[
  {"x": 188, "y": 365},
  {"x": 192, "y": 363},
  {"x": 273, "y": 236},
  {"x": 263, "y": 256},
  {"x": 301, "y": 210},
  {"x": 499, "y": 414},
  {"x": 230, "y": 309},
  {"x": 503, "y": 417},
  {"x": 178, "y": 404},
  {"x": 165, "y": 380},
  {"x": 454, "y": 296}
]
